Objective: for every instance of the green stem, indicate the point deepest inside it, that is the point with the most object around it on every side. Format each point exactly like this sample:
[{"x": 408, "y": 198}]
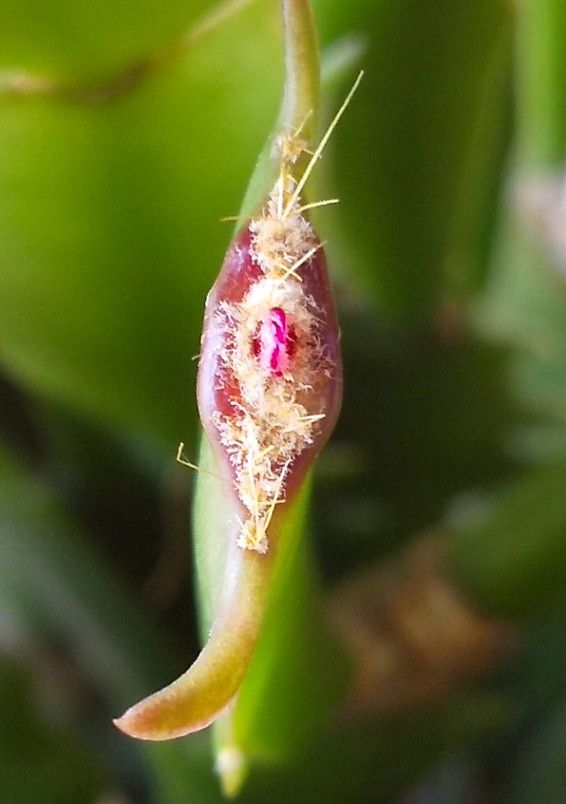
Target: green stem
[
  {"x": 302, "y": 68},
  {"x": 300, "y": 100}
]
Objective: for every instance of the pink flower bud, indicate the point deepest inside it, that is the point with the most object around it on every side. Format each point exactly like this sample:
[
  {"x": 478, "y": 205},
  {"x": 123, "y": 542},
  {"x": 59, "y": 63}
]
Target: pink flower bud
[{"x": 270, "y": 374}]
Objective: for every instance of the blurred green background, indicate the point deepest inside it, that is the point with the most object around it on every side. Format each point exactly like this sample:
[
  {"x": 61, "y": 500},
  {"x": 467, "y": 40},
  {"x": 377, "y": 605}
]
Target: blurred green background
[{"x": 127, "y": 131}]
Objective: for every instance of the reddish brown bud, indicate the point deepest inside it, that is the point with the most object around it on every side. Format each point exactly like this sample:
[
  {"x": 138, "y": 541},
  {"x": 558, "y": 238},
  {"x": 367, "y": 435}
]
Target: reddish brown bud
[{"x": 270, "y": 375}]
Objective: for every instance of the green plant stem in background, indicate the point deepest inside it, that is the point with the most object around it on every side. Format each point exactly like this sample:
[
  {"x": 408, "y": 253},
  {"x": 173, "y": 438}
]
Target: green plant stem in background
[
  {"x": 513, "y": 560},
  {"x": 420, "y": 160},
  {"x": 541, "y": 82},
  {"x": 519, "y": 549}
]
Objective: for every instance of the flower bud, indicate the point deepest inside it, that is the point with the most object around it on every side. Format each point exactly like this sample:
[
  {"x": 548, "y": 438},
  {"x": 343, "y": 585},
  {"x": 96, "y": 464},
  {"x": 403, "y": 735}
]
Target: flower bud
[{"x": 270, "y": 375}]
